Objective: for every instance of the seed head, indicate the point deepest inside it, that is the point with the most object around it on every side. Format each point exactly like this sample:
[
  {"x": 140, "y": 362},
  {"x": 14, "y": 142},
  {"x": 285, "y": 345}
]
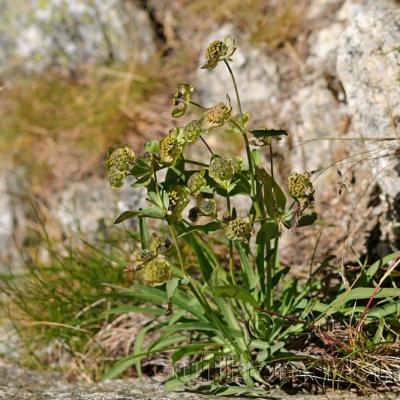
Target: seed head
[
  {"x": 157, "y": 272},
  {"x": 192, "y": 131},
  {"x": 221, "y": 170},
  {"x": 239, "y": 229},
  {"x": 194, "y": 214},
  {"x": 196, "y": 182},
  {"x": 170, "y": 149},
  {"x": 216, "y": 116}
]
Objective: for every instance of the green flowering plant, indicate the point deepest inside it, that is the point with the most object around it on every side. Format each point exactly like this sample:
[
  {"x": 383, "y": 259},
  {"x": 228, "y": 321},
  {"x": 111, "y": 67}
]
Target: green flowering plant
[{"x": 194, "y": 200}]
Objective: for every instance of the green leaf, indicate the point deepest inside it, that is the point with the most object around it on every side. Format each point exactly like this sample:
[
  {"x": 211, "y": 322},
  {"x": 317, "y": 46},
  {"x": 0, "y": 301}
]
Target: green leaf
[
  {"x": 374, "y": 268},
  {"x": 206, "y": 228},
  {"x": 152, "y": 147},
  {"x": 126, "y": 308},
  {"x": 171, "y": 287},
  {"x": 268, "y": 231},
  {"x": 259, "y": 133},
  {"x": 307, "y": 219},
  {"x": 151, "y": 212},
  {"x": 235, "y": 292}
]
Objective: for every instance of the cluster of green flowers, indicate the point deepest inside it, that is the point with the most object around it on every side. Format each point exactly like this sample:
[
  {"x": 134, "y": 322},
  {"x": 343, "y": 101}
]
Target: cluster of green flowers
[
  {"x": 155, "y": 266},
  {"x": 301, "y": 188},
  {"x": 119, "y": 164},
  {"x": 219, "y": 51},
  {"x": 239, "y": 229},
  {"x": 222, "y": 170}
]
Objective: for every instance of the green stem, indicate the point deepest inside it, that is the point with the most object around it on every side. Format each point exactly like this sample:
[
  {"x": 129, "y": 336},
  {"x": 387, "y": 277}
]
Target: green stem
[
  {"x": 231, "y": 264},
  {"x": 200, "y": 164},
  {"x": 245, "y": 138},
  {"x": 206, "y": 144}
]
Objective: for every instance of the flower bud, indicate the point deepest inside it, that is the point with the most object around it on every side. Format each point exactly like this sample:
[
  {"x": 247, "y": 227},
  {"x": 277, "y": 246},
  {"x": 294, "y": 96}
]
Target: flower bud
[{"x": 157, "y": 272}]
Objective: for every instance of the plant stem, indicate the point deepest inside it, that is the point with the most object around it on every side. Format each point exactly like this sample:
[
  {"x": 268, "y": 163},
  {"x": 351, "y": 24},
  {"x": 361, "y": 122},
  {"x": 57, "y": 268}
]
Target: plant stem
[
  {"x": 200, "y": 164},
  {"x": 231, "y": 264},
  {"x": 206, "y": 144},
  {"x": 245, "y": 138}
]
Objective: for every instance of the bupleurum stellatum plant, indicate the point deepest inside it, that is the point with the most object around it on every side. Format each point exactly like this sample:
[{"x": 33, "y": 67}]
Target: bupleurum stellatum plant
[{"x": 235, "y": 312}]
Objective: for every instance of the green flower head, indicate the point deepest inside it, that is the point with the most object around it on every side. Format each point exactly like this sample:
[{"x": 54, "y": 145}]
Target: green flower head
[
  {"x": 159, "y": 245},
  {"x": 218, "y": 51},
  {"x": 181, "y": 99},
  {"x": 119, "y": 164},
  {"x": 143, "y": 255},
  {"x": 301, "y": 188},
  {"x": 178, "y": 200},
  {"x": 157, "y": 272},
  {"x": 192, "y": 131},
  {"x": 216, "y": 116},
  {"x": 196, "y": 183},
  {"x": 239, "y": 229},
  {"x": 208, "y": 207},
  {"x": 221, "y": 170},
  {"x": 170, "y": 148}
]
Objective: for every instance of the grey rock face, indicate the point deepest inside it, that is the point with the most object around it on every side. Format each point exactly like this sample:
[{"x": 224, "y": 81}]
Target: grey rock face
[
  {"x": 88, "y": 206},
  {"x": 369, "y": 69},
  {"x": 36, "y": 34},
  {"x": 256, "y": 74}
]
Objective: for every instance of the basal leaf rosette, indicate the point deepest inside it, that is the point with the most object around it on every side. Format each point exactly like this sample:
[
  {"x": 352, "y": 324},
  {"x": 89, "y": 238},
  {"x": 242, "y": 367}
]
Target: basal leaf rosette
[{"x": 219, "y": 50}]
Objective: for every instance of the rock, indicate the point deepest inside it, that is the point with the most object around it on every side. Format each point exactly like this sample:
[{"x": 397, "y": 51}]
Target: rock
[
  {"x": 369, "y": 67},
  {"x": 37, "y": 34},
  {"x": 256, "y": 74},
  {"x": 87, "y": 207},
  {"x": 17, "y": 383}
]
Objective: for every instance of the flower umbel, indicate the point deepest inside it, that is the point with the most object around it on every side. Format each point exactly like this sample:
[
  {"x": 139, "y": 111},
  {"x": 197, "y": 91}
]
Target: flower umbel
[
  {"x": 208, "y": 207},
  {"x": 218, "y": 50},
  {"x": 119, "y": 164},
  {"x": 196, "y": 183},
  {"x": 221, "y": 170},
  {"x": 170, "y": 148},
  {"x": 192, "y": 131},
  {"x": 301, "y": 188},
  {"x": 216, "y": 116},
  {"x": 159, "y": 245},
  {"x": 157, "y": 272},
  {"x": 178, "y": 200},
  {"x": 239, "y": 229},
  {"x": 181, "y": 99}
]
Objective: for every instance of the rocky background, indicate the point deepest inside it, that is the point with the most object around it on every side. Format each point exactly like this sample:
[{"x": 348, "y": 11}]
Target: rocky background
[{"x": 325, "y": 70}]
